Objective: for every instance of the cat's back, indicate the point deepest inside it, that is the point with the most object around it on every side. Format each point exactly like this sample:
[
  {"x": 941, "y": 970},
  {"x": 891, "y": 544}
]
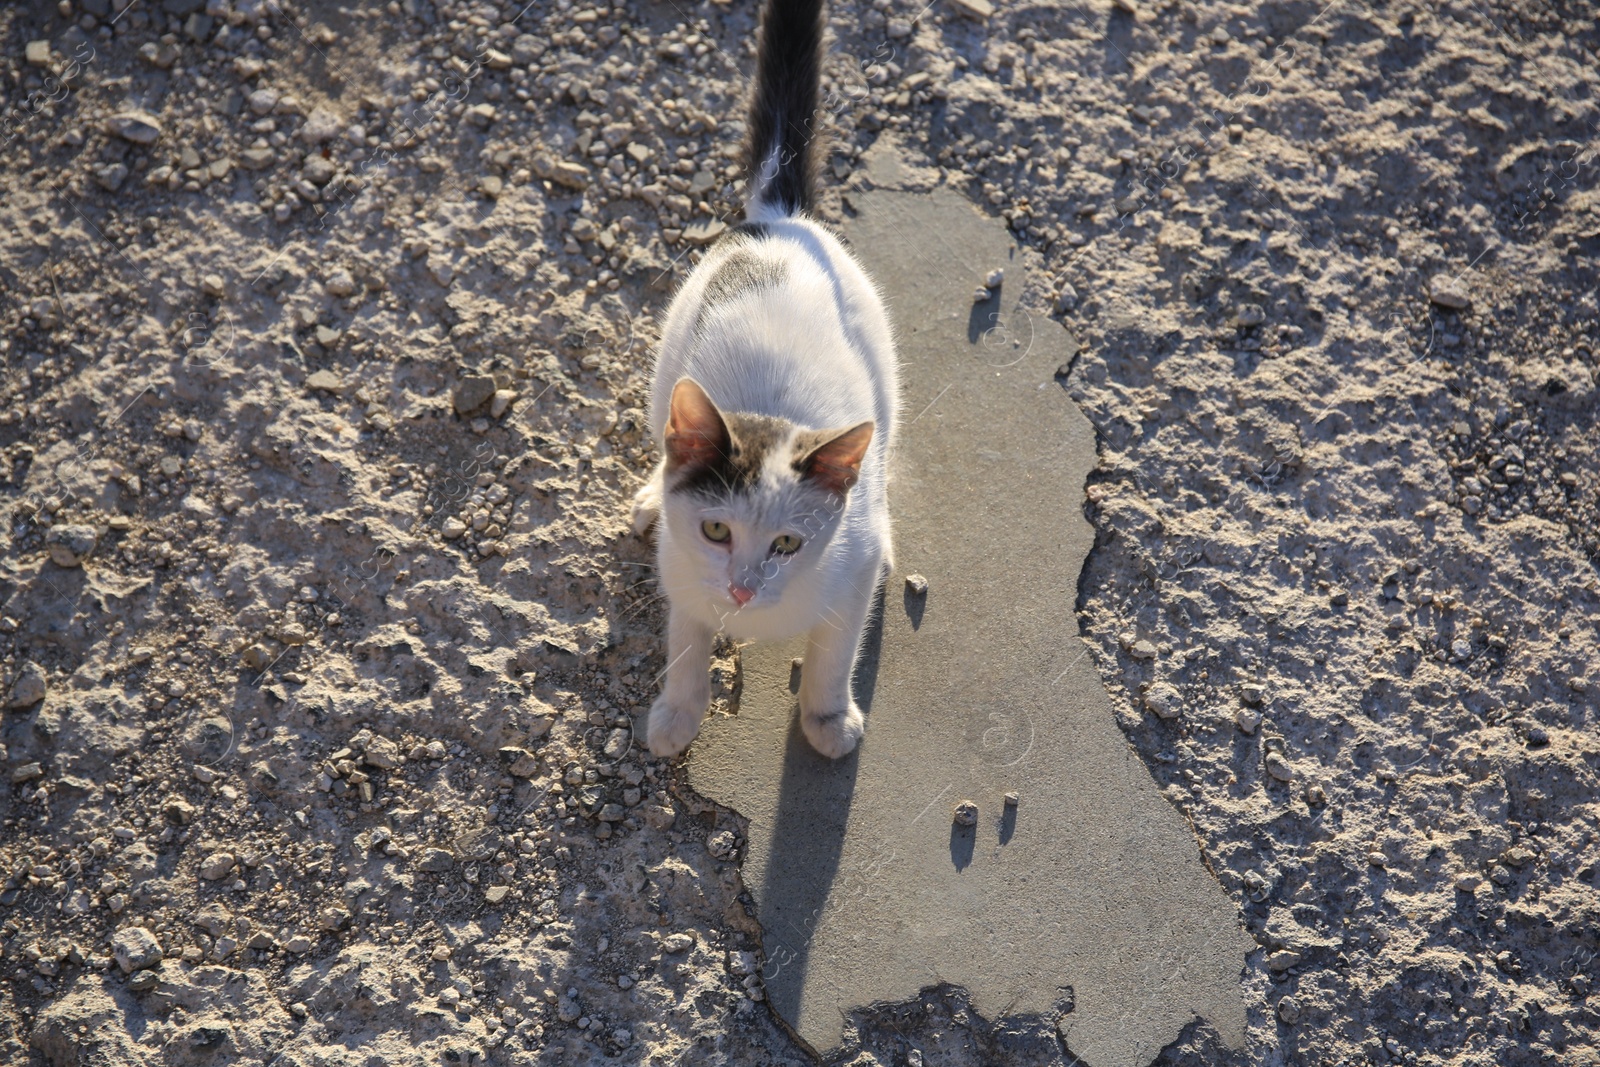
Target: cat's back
[{"x": 780, "y": 319}]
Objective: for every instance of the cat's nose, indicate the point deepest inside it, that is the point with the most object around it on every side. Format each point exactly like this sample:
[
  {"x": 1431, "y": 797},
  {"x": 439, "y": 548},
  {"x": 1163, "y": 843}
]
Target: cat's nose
[{"x": 741, "y": 594}]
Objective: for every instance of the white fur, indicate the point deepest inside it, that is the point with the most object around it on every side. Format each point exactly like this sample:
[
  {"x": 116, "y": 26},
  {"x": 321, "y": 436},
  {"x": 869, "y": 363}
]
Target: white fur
[{"x": 815, "y": 350}]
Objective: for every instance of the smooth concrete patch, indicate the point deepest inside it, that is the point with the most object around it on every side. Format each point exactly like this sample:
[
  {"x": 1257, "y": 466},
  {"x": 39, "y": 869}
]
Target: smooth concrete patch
[{"x": 1085, "y": 904}]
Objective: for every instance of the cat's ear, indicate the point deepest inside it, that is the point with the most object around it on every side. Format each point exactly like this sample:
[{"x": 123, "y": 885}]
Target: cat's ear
[
  {"x": 696, "y": 434},
  {"x": 833, "y": 461}
]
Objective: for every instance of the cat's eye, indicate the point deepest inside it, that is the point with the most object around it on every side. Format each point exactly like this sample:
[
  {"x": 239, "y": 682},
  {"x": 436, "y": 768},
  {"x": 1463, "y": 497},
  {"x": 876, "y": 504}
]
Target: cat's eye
[
  {"x": 786, "y": 544},
  {"x": 716, "y": 531}
]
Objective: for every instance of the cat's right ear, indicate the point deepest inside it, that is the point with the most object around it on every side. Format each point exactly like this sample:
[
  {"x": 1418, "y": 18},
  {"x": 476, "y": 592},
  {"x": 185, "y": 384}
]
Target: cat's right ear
[{"x": 696, "y": 434}]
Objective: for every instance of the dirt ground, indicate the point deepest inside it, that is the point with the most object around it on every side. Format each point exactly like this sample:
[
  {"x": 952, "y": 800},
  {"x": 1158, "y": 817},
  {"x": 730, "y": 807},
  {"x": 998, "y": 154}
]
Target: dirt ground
[{"x": 325, "y": 340}]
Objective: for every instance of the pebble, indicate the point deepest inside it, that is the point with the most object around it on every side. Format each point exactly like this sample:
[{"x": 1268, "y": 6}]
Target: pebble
[
  {"x": 496, "y": 894},
  {"x": 561, "y": 172},
  {"x": 26, "y": 772},
  {"x": 995, "y": 278},
  {"x": 449, "y": 998},
  {"x": 473, "y": 391},
  {"x": 704, "y": 231},
  {"x": 974, "y": 9},
  {"x": 1468, "y": 882},
  {"x": 70, "y": 545},
  {"x": 501, "y": 402},
  {"x": 37, "y": 53},
  {"x": 29, "y": 688},
  {"x": 1279, "y": 767},
  {"x": 1012, "y": 800},
  {"x": 1142, "y": 649},
  {"x": 673, "y": 944},
  {"x": 299, "y": 945},
  {"x": 1252, "y": 694},
  {"x": 135, "y": 948},
  {"x": 452, "y": 528},
  {"x": 1377, "y": 859},
  {"x": 1449, "y": 292},
  {"x": 262, "y": 101},
  {"x": 1246, "y": 720},
  {"x": 1282, "y": 960},
  {"x": 966, "y": 813},
  {"x": 1288, "y": 1011},
  {"x": 1165, "y": 701},
  {"x": 321, "y": 126},
  {"x": 1249, "y": 315},
  {"x": 981, "y": 294},
  {"x": 916, "y": 585},
  {"x": 214, "y": 286},
  {"x": 617, "y": 744},
  {"x": 1066, "y": 298},
  {"x": 217, "y": 865}
]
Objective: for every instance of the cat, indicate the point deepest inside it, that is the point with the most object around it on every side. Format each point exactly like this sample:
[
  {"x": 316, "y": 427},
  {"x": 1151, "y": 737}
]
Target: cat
[{"x": 774, "y": 401}]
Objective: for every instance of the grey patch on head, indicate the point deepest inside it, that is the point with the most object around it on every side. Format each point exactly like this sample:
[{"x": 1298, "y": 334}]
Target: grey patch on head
[
  {"x": 742, "y": 271},
  {"x": 751, "y": 439}
]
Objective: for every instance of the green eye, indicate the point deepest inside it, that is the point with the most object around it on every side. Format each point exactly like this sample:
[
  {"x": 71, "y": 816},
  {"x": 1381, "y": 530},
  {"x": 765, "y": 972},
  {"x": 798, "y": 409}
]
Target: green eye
[
  {"x": 786, "y": 544},
  {"x": 716, "y": 531}
]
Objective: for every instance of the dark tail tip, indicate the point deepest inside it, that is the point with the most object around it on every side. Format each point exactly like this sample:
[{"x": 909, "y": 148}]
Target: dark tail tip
[{"x": 779, "y": 148}]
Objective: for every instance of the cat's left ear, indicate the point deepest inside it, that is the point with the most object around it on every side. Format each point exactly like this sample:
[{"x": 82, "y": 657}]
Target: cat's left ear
[{"x": 834, "y": 460}]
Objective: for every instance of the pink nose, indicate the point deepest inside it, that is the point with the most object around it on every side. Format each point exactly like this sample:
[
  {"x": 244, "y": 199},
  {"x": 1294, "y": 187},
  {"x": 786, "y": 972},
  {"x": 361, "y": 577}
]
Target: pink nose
[{"x": 741, "y": 594}]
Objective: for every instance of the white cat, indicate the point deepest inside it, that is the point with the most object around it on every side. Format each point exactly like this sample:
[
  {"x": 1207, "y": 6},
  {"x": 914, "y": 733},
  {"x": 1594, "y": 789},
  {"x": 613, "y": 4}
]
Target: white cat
[{"x": 774, "y": 403}]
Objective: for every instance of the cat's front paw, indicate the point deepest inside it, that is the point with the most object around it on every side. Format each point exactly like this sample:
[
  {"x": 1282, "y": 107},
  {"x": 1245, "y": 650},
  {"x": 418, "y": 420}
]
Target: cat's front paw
[
  {"x": 834, "y": 733},
  {"x": 672, "y": 727},
  {"x": 646, "y": 506}
]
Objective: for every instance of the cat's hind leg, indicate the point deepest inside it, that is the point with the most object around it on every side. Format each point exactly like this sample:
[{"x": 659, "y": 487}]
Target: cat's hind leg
[{"x": 647, "y": 501}]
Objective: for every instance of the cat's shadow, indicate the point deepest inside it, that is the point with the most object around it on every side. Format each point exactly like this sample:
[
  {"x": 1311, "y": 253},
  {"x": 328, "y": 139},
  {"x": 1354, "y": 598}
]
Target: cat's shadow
[{"x": 813, "y": 808}]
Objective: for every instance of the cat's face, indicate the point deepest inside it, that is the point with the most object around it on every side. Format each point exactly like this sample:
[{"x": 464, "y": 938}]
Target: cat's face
[{"x": 752, "y": 501}]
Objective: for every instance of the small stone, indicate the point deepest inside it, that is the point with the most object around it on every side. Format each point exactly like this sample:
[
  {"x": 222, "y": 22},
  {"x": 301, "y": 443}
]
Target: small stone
[
  {"x": 1518, "y": 856},
  {"x": 334, "y": 918},
  {"x": 321, "y": 126},
  {"x": 449, "y": 998},
  {"x": 899, "y": 28},
  {"x": 496, "y": 894},
  {"x": 568, "y": 1010},
  {"x": 1164, "y": 700},
  {"x": 613, "y": 813},
  {"x": 257, "y": 158},
  {"x": 327, "y": 336},
  {"x": 491, "y": 186},
  {"x": 561, "y": 172},
  {"x": 37, "y": 53},
  {"x": 473, "y": 391},
  {"x": 26, "y": 772},
  {"x": 722, "y": 844},
  {"x": 1066, "y": 298},
  {"x": 1377, "y": 859},
  {"x": 70, "y": 545},
  {"x": 1246, "y": 720},
  {"x": 1279, "y": 767},
  {"x": 1288, "y": 1011},
  {"x": 496, "y": 60},
  {"x": 144, "y": 981},
  {"x": 340, "y": 283},
  {"x": 673, "y": 944},
  {"x": 481, "y": 115},
  {"x": 1282, "y": 960},
  {"x": 1012, "y": 800},
  {"x": 135, "y": 125},
  {"x": 135, "y": 949},
  {"x": 213, "y": 286},
  {"x": 1448, "y": 292},
  {"x": 974, "y": 9},
  {"x": 217, "y": 865},
  {"x": 966, "y": 813},
  {"x": 1468, "y": 882},
  {"x": 617, "y": 744},
  {"x": 452, "y": 528},
  {"x": 501, "y": 402},
  {"x": 981, "y": 295},
  {"x": 1252, "y": 694},
  {"x": 1249, "y": 315},
  {"x": 29, "y": 688},
  {"x": 1142, "y": 649},
  {"x": 262, "y": 101},
  {"x": 704, "y": 231},
  {"x": 328, "y": 382},
  {"x": 916, "y": 585},
  {"x": 298, "y": 945},
  {"x": 435, "y": 861},
  {"x": 441, "y": 953},
  {"x": 995, "y": 278}
]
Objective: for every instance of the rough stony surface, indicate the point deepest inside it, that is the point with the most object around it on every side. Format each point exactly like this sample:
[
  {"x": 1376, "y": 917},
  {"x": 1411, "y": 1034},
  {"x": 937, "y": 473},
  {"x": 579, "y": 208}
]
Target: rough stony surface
[{"x": 1353, "y": 527}]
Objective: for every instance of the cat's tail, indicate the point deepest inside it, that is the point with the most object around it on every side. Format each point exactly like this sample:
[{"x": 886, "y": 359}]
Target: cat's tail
[{"x": 779, "y": 146}]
